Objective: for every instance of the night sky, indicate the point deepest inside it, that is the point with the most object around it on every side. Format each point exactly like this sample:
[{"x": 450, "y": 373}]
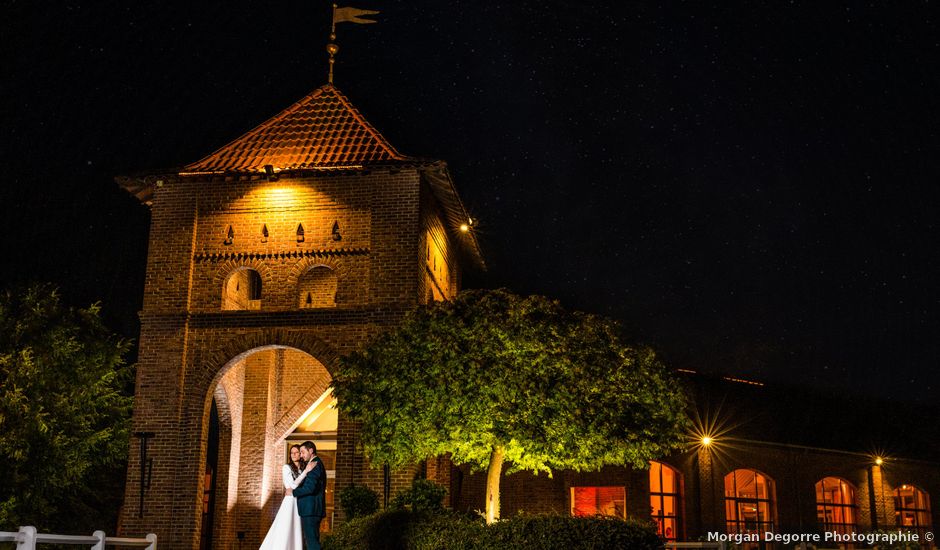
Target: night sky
[{"x": 752, "y": 188}]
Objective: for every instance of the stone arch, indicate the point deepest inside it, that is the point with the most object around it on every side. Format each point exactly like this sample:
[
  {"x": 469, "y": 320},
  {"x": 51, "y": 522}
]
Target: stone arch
[
  {"x": 254, "y": 274},
  {"x": 238, "y": 346},
  {"x": 316, "y": 281},
  {"x": 202, "y": 391},
  {"x": 336, "y": 264}
]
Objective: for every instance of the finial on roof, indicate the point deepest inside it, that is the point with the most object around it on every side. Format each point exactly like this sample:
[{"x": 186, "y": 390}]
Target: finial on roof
[{"x": 344, "y": 15}]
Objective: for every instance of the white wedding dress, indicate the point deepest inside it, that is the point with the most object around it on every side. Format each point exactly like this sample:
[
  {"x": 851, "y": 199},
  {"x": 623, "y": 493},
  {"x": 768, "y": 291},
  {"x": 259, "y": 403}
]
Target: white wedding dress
[{"x": 285, "y": 532}]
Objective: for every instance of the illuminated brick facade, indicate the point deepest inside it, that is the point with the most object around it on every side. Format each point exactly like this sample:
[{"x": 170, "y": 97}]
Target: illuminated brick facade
[
  {"x": 258, "y": 278},
  {"x": 791, "y": 469}
]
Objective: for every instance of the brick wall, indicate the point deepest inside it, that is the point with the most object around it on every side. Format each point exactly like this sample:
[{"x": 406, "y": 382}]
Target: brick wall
[
  {"x": 266, "y": 363},
  {"x": 438, "y": 269},
  {"x": 793, "y": 470}
]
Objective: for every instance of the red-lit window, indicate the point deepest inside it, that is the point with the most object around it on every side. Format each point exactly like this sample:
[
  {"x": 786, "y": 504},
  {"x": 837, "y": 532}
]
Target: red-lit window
[
  {"x": 912, "y": 509},
  {"x": 749, "y": 502},
  {"x": 666, "y": 500},
  {"x": 599, "y": 501},
  {"x": 835, "y": 506}
]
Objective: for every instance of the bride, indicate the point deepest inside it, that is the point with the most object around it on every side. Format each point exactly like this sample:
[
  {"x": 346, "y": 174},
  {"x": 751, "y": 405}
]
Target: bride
[{"x": 285, "y": 532}]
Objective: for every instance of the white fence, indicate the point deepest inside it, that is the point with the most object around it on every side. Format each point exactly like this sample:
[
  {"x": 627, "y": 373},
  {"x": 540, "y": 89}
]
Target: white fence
[{"x": 27, "y": 539}]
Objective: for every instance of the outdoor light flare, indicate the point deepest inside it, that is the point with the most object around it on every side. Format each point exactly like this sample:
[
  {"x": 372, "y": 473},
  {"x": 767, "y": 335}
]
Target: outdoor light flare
[
  {"x": 879, "y": 461},
  {"x": 464, "y": 228},
  {"x": 706, "y": 441}
]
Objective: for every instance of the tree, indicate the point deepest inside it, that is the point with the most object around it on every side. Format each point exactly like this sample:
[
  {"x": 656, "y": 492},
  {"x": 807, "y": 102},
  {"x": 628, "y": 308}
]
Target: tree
[
  {"x": 492, "y": 377},
  {"x": 64, "y": 413}
]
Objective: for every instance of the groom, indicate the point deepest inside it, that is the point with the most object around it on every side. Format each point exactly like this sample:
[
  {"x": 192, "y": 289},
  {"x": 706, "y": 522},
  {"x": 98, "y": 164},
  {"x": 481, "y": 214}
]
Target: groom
[{"x": 310, "y": 495}]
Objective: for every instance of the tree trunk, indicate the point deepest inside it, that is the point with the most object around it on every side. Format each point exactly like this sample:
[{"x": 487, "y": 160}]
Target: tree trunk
[{"x": 492, "y": 483}]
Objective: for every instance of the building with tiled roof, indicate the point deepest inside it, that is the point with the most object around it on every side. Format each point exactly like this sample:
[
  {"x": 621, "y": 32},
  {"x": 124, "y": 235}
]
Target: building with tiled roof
[
  {"x": 323, "y": 131},
  {"x": 269, "y": 259}
]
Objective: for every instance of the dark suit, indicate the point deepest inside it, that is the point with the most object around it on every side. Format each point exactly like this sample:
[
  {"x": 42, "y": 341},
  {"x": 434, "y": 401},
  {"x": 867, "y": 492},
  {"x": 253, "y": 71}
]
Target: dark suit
[{"x": 311, "y": 504}]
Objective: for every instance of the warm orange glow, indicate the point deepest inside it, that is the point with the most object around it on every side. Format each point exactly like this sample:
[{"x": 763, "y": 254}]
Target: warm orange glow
[
  {"x": 879, "y": 461},
  {"x": 594, "y": 501},
  {"x": 836, "y": 505},
  {"x": 321, "y": 417},
  {"x": 749, "y": 501},
  {"x": 281, "y": 195},
  {"x": 742, "y": 381},
  {"x": 665, "y": 500},
  {"x": 711, "y": 432},
  {"x": 464, "y": 228}
]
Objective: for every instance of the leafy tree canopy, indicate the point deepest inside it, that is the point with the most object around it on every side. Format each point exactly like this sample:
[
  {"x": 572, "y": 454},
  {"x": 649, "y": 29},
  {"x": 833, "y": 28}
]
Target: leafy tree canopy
[
  {"x": 491, "y": 373},
  {"x": 64, "y": 414}
]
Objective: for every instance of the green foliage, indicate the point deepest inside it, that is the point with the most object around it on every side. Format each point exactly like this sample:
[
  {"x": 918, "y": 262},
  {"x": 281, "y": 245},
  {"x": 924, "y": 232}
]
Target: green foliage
[
  {"x": 358, "y": 500},
  {"x": 545, "y": 531},
  {"x": 423, "y": 496},
  {"x": 556, "y": 389},
  {"x": 400, "y": 529},
  {"x": 64, "y": 418}
]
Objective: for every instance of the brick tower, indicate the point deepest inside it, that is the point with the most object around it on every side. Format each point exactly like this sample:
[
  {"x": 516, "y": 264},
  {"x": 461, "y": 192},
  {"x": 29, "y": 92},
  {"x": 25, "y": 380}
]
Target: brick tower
[{"x": 269, "y": 259}]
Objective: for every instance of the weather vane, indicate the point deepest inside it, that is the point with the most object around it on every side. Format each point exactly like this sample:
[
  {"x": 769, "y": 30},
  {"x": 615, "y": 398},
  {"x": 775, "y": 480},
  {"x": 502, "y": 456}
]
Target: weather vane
[{"x": 344, "y": 15}]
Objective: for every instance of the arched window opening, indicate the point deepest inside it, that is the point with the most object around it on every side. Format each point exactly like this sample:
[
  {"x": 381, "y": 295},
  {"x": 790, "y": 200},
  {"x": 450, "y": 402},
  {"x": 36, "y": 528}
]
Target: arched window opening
[
  {"x": 242, "y": 290},
  {"x": 317, "y": 288},
  {"x": 666, "y": 500},
  {"x": 749, "y": 502},
  {"x": 912, "y": 509},
  {"x": 836, "y": 508}
]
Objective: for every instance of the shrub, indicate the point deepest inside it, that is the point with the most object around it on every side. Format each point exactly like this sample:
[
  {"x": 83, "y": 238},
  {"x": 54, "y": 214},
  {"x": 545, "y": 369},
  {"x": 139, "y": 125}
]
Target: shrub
[
  {"x": 358, "y": 500},
  {"x": 423, "y": 496},
  {"x": 544, "y": 531},
  {"x": 406, "y": 530},
  {"x": 382, "y": 531}
]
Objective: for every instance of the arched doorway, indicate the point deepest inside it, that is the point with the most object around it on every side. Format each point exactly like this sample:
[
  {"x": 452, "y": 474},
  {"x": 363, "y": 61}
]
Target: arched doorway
[{"x": 265, "y": 400}]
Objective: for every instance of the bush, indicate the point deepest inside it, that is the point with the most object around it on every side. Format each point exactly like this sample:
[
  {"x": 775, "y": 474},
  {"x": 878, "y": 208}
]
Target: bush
[
  {"x": 405, "y": 530},
  {"x": 544, "y": 531},
  {"x": 423, "y": 496},
  {"x": 382, "y": 531},
  {"x": 358, "y": 500}
]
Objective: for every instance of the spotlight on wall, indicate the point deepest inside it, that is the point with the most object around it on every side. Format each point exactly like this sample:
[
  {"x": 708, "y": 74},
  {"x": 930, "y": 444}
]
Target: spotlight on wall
[
  {"x": 269, "y": 172},
  {"x": 465, "y": 227}
]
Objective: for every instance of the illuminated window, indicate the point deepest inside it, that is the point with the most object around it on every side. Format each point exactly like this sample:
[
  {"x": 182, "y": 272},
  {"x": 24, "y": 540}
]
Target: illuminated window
[
  {"x": 317, "y": 288},
  {"x": 749, "y": 502},
  {"x": 835, "y": 506},
  {"x": 599, "y": 501},
  {"x": 912, "y": 509},
  {"x": 242, "y": 290},
  {"x": 437, "y": 273},
  {"x": 666, "y": 500}
]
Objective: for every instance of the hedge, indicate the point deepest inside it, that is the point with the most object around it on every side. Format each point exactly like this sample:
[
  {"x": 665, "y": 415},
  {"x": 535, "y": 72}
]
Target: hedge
[{"x": 407, "y": 530}]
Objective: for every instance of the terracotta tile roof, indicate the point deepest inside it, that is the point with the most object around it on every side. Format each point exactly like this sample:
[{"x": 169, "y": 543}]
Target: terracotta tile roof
[{"x": 321, "y": 130}]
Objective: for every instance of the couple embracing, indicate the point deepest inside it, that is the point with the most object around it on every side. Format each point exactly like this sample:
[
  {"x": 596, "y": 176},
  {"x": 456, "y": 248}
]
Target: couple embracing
[{"x": 304, "y": 504}]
